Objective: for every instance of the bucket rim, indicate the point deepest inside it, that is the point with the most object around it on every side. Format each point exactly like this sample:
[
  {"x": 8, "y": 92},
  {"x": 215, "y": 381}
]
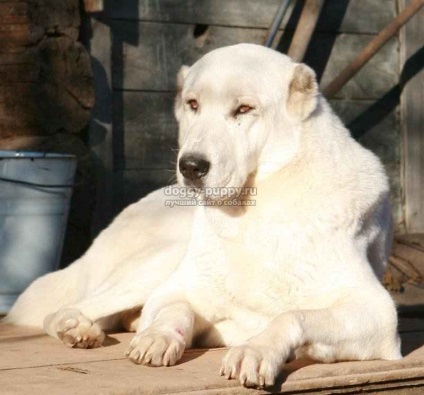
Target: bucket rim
[{"x": 21, "y": 154}]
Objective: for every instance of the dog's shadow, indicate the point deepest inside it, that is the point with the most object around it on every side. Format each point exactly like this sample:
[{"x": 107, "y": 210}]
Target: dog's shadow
[
  {"x": 192, "y": 354},
  {"x": 289, "y": 368},
  {"x": 110, "y": 340}
]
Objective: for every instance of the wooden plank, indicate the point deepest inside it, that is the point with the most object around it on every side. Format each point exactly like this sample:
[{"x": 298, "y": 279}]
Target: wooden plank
[
  {"x": 305, "y": 29},
  {"x": 150, "y": 131},
  {"x": 13, "y": 12},
  {"x": 14, "y": 37},
  {"x": 44, "y": 365},
  {"x": 100, "y": 129},
  {"x": 243, "y": 13},
  {"x": 93, "y": 5},
  {"x": 151, "y": 62},
  {"x": 411, "y": 325},
  {"x": 378, "y": 76},
  {"x": 359, "y": 16},
  {"x": 356, "y": 16},
  {"x": 412, "y": 120}
]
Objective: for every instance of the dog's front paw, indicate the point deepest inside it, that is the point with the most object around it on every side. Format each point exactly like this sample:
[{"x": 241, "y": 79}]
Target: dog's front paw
[
  {"x": 156, "y": 348},
  {"x": 77, "y": 331},
  {"x": 253, "y": 365}
]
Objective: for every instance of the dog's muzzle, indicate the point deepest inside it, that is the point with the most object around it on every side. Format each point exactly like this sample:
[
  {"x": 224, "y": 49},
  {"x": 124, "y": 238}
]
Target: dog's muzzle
[{"x": 193, "y": 167}]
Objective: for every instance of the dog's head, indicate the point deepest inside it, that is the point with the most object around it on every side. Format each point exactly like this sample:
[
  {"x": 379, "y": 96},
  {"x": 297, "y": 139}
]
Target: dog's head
[{"x": 240, "y": 111}]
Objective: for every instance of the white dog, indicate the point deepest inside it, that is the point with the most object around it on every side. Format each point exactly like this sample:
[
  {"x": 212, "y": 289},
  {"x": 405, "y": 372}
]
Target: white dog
[{"x": 281, "y": 255}]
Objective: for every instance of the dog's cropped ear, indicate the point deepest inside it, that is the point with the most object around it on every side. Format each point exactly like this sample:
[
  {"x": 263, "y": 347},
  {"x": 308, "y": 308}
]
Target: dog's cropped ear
[
  {"x": 181, "y": 76},
  {"x": 302, "y": 97}
]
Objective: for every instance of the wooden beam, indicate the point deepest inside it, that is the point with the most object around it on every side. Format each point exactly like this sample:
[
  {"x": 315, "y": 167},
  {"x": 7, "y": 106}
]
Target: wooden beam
[
  {"x": 100, "y": 137},
  {"x": 412, "y": 121},
  {"x": 93, "y": 5},
  {"x": 304, "y": 29}
]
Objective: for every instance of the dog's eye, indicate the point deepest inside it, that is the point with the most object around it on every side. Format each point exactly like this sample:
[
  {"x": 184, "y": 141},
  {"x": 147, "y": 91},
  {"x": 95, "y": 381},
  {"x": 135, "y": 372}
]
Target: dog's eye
[
  {"x": 243, "y": 109},
  {"x": 193, "y": 104}
]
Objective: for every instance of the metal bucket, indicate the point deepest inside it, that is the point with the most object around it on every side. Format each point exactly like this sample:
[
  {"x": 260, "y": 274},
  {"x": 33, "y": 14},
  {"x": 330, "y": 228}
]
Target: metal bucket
[{"x": 35, "y": 193}]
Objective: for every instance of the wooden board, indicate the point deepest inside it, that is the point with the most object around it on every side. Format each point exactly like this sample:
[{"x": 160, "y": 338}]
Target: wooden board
[
  {"x": 152, "y": 54},
  {"x": 150, "y": 40},
  {"x": 101, "y": 138},
  {"x": 413, "y": 121},
  {"x": 148, "y": 130},
  {"x": 35, "y": 363},
  {"x": 358, "y": 16},
  {"x": 374, "y": 80}
]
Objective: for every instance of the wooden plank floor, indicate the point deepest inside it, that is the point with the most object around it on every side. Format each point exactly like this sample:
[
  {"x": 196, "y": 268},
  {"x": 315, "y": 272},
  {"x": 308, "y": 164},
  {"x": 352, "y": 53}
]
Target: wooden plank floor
[{"x": 32, "y": 362}]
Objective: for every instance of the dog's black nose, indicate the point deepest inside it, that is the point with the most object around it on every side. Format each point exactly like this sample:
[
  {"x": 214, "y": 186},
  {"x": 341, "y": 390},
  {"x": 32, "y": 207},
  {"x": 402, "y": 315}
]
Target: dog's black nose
[{"x": 193, "y": 167}]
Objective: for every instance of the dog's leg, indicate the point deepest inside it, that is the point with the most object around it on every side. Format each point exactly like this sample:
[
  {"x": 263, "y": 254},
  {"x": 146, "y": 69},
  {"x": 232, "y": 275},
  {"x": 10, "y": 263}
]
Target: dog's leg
[
  {"x": 45, "y": 296},
  {"x": 166, "y": 327},
  {"x": 358, "y": 329},
  {"x": 129, "y": 286}
]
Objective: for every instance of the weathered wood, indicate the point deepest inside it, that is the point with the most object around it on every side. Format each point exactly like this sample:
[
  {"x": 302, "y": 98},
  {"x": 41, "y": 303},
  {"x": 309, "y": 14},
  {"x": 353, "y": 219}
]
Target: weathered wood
[
  {"x": 13, "y": 12},
  {"x": 46, "y": 90},
  {"x": 372, "y": 48},
  {"x": 412, "y": 119},
  {"x": 56, "y": 17},
  {"x": 54, "y": 92},
  {"x": 150, "y": 131},
  {"x": 46, "y": 365},
  {"x": 101, "y": 137},
  {"x": 93, "y": 5},
  {"x": 152, "y": 60},
  {"x": 304, "y": 29},
  {"x": 24, "y": 23},
  {"x": 154, "y": 52},
  {"x": 243, "y": 13},
  {"x": 146, "y": 57},
  {"x": 377, "y": 77},
  {"x": 358, "y": 16},
  {"x": 13, "y": 37}
]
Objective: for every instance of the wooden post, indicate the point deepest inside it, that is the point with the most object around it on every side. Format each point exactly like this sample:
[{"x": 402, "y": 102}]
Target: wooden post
[
  {"x": 93, "y": 5},
  {"x": 304, "y": 29},
  {"x": 100, "y": 140},
  {"x": 412, "y": 122}
]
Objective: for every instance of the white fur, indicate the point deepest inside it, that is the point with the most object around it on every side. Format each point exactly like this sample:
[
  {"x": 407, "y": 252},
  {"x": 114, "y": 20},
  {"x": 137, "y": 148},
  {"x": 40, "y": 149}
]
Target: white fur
[{"x": 297, "y": 273}]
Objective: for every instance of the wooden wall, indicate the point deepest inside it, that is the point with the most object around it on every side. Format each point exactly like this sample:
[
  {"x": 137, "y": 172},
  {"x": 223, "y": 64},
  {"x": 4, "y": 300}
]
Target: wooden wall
[
  {"x": 412, "y": 120},
  {"x": 138, "y": 47}
]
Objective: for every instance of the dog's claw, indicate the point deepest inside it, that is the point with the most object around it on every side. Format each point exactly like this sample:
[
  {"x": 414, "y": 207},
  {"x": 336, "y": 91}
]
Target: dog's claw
[{"x": 155, "y": 348}]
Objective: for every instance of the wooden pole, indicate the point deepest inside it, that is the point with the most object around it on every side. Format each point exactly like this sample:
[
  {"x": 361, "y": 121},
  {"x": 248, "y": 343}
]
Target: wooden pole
[
  {"x": 93, "y": 5},
  {"x": 372, "y": 48},
  {"x": 304, "y": 29}
]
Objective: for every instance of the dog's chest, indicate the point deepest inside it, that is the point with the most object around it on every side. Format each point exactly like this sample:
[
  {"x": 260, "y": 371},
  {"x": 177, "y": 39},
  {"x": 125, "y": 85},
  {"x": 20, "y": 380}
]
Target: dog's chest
[{"x": 261, "y": 270}]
